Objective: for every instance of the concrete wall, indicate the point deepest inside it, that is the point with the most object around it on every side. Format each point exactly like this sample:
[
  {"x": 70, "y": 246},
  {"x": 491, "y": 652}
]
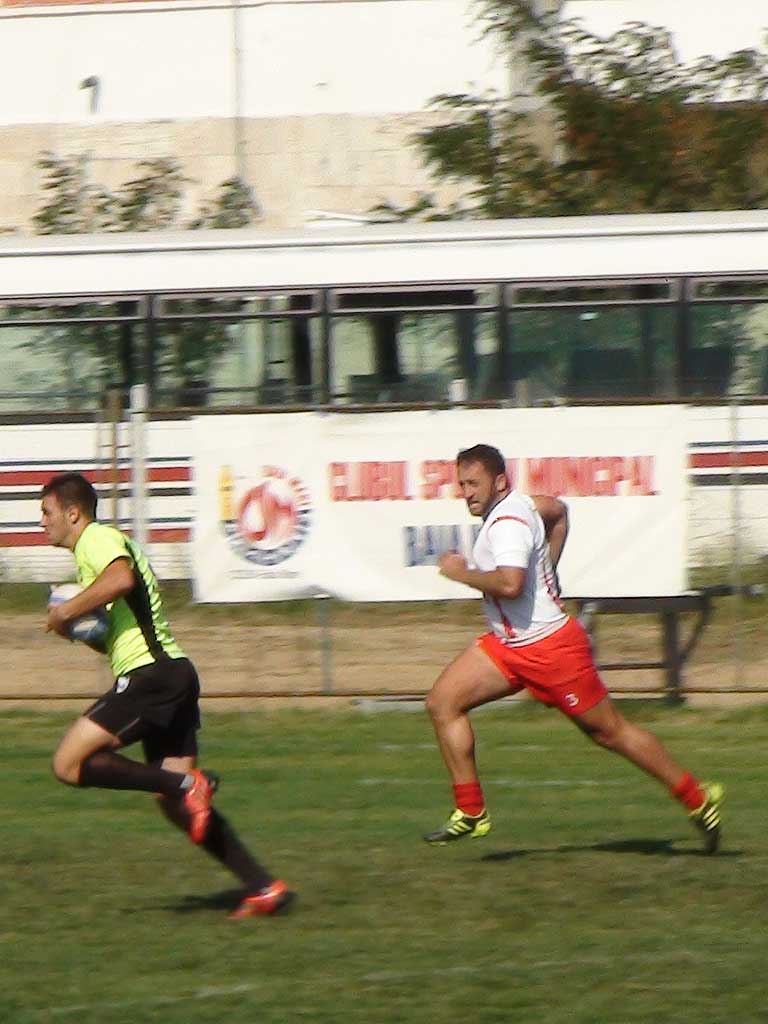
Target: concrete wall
[
  {"x": 314, "y": 100},
  {"x": 295, "y": 164}
]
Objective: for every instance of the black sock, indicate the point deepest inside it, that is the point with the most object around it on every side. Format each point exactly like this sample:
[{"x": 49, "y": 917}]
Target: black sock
[
  {"x": 223, "y": 843},
  {"x": 107, "y": 770}
]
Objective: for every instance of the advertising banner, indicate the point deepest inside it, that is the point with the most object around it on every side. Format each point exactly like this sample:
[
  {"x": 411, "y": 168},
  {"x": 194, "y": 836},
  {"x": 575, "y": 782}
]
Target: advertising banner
[{"x": 361, "y": 506}]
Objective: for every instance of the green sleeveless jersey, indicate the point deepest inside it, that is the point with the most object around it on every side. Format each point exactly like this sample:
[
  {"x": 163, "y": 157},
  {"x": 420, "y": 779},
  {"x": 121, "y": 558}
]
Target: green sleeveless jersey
[{"x": 139, "y": 633}]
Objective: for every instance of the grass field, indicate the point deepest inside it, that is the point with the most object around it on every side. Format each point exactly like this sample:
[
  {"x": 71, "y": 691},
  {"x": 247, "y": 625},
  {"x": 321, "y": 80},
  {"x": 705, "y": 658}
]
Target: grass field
[{"x": 589, "y": 902}]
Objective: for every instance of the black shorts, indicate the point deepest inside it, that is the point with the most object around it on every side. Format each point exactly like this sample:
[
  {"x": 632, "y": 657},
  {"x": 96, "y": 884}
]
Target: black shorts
[{"x": 157, "y": 704}]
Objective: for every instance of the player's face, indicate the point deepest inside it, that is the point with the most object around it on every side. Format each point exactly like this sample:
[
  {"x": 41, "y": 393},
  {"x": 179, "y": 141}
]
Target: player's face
[
  {"x": 55, "y": 521},
  {"x": 479, "y": 487}
]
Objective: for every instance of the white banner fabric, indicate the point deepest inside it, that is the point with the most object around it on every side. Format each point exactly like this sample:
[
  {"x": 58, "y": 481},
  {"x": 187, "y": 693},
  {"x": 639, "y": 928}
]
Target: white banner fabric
[{"x": 360, "y": 506}]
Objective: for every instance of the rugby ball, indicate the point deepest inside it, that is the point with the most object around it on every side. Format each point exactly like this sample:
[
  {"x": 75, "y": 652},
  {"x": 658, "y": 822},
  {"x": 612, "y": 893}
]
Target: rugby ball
[{"x": 90, "y": 629}]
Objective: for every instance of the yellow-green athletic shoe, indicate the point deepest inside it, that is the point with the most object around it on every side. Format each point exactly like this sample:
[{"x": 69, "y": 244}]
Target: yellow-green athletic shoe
[
  {"x": 460, "y": 825},
  {"x": 707, "y": 817}
]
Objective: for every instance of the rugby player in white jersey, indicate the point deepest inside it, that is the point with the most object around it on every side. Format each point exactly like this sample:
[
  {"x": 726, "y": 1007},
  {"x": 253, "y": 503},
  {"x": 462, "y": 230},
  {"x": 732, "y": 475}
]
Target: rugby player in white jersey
[{"x": 532, "y": 644}]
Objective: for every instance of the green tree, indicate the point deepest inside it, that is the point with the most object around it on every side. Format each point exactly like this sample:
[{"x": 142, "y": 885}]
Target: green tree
[
  {"x": 622, "y": 126},
  {"x": 232, "y": 207},
  {"x": 72, "y": 204},
  {"x": 152, "y": 200}
]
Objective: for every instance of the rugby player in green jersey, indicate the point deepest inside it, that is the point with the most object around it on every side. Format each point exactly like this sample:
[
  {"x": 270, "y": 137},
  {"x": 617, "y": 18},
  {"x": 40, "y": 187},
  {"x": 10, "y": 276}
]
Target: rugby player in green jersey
[{"x": 155, "y": 696}]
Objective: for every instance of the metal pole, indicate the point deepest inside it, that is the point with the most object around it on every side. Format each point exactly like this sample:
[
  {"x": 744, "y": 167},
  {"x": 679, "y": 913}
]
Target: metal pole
[
  {"x": 238, "y": 122},
  {"x": 138, "y": 407},
  {"x": 114, "y": 415},
  {"x": 323, "y": 612},
  {"x": 671, "y": 648},
  {"x": 736, "y": 544}
]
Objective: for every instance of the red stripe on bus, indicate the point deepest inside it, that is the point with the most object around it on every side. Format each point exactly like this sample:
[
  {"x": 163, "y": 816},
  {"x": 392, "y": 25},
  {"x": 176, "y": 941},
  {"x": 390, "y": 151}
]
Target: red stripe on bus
[
  {"x": 22, "y": 540},
  {"x": 170, "y": 535},
  {"x": 725, "y": 460},
  {"x": 36, "y": 538},
  {"x": 156, "y": 474}
]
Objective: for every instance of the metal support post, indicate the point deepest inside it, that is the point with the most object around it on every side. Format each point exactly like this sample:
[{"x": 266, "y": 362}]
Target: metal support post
[
  {"x": 138, "y": 409},
  {"x": 323, "y": 613},
  {"x": 114, "y": 416},
  {"x": 672, "y": 658}
]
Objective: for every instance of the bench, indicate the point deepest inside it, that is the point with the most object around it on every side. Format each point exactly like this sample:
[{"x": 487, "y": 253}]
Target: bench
[{"x": 674, "y": 652}]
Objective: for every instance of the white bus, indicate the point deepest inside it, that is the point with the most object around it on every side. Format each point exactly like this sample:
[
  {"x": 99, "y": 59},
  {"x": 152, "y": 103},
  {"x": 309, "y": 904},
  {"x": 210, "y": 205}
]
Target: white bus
[{"x": 642, "y": 307}]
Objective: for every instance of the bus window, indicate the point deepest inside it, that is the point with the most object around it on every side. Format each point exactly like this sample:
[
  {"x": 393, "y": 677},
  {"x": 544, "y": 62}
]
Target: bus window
[
  {"x": 238, "y": 350},
  {"x": 64, "y": 355},
  {"x": 727, "y": 350},
  {"x": 591, "y": 342},
  {"x": 407, "y": 346}
]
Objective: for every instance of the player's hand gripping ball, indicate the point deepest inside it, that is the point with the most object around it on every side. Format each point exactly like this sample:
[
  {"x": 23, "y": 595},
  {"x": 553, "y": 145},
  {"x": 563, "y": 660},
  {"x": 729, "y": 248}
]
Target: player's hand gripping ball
[{"x": 90, "y": 629}]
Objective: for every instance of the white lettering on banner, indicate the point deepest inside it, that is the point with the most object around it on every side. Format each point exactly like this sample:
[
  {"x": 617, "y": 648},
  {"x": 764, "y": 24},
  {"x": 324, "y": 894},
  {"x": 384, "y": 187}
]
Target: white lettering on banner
[{"x": 297, "y": 504}]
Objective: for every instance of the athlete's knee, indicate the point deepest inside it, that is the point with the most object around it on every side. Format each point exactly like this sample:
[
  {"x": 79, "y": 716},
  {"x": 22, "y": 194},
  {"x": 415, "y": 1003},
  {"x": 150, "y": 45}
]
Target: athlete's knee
[
  {"x": 607, "y": 734},
  {"x": 439, "y": 704},
  {"x": 432, "y": 703},
  {"x": 66, "y": 768},
  {"x": 608, "y": 739}
]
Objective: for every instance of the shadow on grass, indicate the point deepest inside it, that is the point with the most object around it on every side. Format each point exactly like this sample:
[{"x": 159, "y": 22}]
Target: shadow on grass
[
  {"x": 227, "y": 899},
  {"x": 647, "y": 847}
]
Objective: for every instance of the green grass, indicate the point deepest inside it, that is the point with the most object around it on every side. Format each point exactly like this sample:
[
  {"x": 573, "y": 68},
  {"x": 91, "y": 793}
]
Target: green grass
[{"x": 589, "y": 903}]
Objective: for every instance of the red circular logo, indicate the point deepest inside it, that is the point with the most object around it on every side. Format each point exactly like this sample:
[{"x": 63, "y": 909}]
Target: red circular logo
[{"x": 267, "y": 513}]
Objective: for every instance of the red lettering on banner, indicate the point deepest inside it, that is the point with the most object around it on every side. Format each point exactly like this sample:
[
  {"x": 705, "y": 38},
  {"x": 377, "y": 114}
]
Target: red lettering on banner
[
  {"x": 641, "y": 478},
  {"x": 369, "y": 481},
  {"x": 512, "y": 471},
  {"x": 438, "y": 479},
  {"x": 574, "y": 476},
  {"x": 337, "y": 479},
  {"x": 537, "y": 479},
  {"x": 589, "y": 476}
]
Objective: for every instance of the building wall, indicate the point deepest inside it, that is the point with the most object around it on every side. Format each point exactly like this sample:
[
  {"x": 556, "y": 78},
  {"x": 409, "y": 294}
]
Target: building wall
[{"x": 314, "y": 102}]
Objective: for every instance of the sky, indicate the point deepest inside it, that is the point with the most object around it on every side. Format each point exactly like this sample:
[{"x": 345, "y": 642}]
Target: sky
[{"x": 699, "y": 27}]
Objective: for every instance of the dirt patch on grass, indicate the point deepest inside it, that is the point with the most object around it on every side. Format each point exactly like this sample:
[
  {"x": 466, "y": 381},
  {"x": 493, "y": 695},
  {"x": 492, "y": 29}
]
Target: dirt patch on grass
[{"x": 371, "y": 649}]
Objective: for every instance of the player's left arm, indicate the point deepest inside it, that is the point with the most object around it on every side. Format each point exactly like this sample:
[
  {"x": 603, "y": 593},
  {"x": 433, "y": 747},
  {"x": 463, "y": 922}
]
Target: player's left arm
[
  {"x": 505, "y": 581},
  {"x": 114, "y": 581},
  {"x": 554, "y": 515}
]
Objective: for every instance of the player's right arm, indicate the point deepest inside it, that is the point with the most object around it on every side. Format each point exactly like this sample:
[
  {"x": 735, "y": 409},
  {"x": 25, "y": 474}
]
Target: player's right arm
[
  {"x": 554, "y": 515},
  {"x": 115, "y": 580},
  {"x": 503, "y": 581},
  {"x": 105, "y": 569}
]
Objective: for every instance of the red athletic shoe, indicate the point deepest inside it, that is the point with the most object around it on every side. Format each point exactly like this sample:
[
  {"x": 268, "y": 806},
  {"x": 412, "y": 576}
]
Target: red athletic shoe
[
  {"x": 197, "y": 801},
  {"x": 274, "y": 898}
]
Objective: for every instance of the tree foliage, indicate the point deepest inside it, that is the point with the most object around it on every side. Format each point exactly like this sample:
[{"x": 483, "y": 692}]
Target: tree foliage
[
  {"x": 152, "y": 200},
  {"x": 631, "y": 128}
]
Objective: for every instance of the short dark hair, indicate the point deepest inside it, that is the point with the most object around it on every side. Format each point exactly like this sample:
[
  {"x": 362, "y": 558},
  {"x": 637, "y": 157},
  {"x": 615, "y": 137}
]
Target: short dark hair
[
  {"x": 488, "y": 456},
  {"x": 72, "y": 489}
]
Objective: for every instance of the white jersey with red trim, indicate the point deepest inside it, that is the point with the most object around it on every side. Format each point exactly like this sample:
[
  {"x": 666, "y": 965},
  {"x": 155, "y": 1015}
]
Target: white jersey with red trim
[{"x": 513, "y": 535}]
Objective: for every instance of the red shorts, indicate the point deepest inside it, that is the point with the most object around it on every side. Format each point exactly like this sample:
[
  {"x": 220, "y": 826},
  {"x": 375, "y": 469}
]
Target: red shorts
[{"x": 558, "y": 670}]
